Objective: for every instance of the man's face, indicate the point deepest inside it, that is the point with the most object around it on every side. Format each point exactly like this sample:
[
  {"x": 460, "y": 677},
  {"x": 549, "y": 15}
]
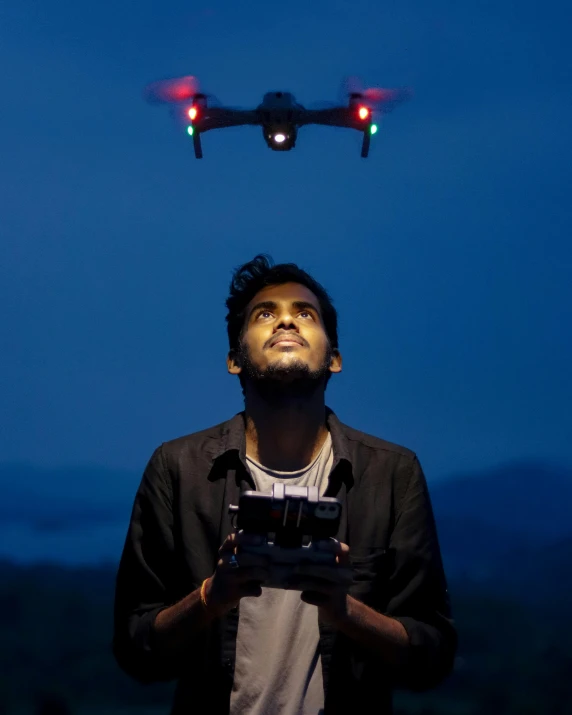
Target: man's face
[{"x": 284, "y": 338}]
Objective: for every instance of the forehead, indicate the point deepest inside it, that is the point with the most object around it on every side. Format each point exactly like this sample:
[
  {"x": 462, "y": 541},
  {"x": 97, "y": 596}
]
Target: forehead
[{"x": 286, "y": 293}]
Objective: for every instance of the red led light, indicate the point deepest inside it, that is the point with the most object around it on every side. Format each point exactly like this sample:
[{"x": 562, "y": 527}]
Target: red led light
[
  {"x": 193, "y": 111},
  {"x": 363, "y": 112}
]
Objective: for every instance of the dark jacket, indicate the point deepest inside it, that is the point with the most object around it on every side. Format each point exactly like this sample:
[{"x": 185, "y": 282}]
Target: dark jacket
[{"x": 180, "y": 518}]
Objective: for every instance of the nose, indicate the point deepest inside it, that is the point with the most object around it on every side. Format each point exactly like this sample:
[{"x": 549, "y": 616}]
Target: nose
[{"x": 285, "y": 321}]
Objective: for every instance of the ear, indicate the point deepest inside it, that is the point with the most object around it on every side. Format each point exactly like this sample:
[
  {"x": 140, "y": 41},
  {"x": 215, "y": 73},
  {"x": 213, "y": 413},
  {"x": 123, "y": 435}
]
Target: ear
[
  {"x": 336, "y": 361},
  {"x": 233, "y": 363}
]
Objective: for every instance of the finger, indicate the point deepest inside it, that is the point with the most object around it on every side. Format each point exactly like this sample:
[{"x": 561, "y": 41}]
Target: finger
[
  {"x": 228, "y": 545},
  {"x": 343, "y": 555},
  {"x": 341, "y": 550}
]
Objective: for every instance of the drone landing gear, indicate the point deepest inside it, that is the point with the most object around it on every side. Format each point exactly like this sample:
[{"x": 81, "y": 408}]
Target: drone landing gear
[
  {"x": 365, "y": 143},
  {"x": 197, "y": 145}
]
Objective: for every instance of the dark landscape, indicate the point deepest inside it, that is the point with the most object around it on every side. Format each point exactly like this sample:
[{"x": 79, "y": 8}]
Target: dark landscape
[{"x": 510, "y": 588}]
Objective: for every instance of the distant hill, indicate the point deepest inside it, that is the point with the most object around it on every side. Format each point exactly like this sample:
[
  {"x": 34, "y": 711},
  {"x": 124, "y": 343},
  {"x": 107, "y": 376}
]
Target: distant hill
[
  {"x": 506, "y": 540},
  {"x": 57, "y": 499},
  {"x": 498, "y": 527},
  {"x": 531, "y": 499},
  {"x": 80, "y": 515}
]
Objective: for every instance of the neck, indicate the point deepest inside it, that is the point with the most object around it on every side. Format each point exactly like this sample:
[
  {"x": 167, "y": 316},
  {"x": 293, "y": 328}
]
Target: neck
[{"x": 284, "y": 433}]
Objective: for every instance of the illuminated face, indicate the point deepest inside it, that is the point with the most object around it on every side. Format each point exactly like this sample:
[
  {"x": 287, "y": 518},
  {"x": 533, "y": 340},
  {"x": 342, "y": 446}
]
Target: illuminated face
[{"x": 284, "y": 337}]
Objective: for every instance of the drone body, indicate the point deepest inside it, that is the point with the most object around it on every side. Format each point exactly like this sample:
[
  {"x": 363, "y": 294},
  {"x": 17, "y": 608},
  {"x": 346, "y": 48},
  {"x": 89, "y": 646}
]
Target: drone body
[{"x": 279, "y": 114}]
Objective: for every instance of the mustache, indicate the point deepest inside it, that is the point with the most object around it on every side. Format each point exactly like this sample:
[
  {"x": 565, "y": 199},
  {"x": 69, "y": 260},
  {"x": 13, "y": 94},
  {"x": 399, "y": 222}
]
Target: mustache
[{"x": 288, "y": 336}]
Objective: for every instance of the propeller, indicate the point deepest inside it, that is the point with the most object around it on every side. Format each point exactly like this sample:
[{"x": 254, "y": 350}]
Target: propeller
[
  {"x": 377, "y": 98},
  {"x": 380, "y": 98},
  {"x": 179, "y": 89},
  {"x": 178, "y": 92}
]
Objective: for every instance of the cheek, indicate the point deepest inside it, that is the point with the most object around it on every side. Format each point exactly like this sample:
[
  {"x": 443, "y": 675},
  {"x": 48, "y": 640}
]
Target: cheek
[
  {"x": 252, "y": 344},
  {"x": 321, "y": 341},
  {"x": 321, "y": 347}
]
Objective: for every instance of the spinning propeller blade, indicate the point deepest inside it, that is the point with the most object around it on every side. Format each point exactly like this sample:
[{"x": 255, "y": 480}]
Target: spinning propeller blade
[
  {"x": 179, "y": 89},
  {"x": 379, "y": 98}
]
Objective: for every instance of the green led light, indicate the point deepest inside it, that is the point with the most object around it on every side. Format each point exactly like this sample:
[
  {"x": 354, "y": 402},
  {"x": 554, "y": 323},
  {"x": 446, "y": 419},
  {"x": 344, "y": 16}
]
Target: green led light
[
  {"x": 373, "y": 128},
  {"x": 190, "y": 131}
]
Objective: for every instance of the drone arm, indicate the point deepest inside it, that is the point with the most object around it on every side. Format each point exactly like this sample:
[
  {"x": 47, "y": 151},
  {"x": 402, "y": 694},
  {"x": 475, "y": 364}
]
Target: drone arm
[
  {"x": 335, "y": 117},
  {"x": 219, "y": 118}
]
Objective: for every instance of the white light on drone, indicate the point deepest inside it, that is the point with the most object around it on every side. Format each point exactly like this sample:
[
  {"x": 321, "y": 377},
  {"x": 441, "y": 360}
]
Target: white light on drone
[{"x": 279, "y": 138}]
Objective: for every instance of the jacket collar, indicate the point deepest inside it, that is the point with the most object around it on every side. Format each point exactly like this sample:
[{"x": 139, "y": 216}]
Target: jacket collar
[{"x": 232, "y": 439}]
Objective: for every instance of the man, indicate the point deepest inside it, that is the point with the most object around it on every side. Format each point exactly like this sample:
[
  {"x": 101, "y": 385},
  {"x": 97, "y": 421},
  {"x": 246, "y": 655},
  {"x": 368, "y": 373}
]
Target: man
[{"x": 183, "y": 610}]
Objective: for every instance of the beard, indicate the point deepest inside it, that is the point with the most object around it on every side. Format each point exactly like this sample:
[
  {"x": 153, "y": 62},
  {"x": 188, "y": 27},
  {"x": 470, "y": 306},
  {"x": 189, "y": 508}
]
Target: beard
[{"x": 294, "y": 379}]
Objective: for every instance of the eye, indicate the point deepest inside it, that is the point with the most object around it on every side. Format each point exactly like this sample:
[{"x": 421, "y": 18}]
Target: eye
[
  {"x": 306, "y": 313},
  {"x": 264, "y": 313}
]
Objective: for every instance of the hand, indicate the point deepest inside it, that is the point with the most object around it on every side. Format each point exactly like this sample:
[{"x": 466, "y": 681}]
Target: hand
[
  {"x": 326, "y": 585},
  {"x": 230, "y": 583}
]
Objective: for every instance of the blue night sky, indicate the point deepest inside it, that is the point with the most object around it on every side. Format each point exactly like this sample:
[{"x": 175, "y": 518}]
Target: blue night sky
[{"x": 447, "y": 252}]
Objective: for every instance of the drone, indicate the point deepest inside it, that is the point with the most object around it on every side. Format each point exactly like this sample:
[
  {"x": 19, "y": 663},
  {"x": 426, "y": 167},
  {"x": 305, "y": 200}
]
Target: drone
[{"x": 279, "y": 114}]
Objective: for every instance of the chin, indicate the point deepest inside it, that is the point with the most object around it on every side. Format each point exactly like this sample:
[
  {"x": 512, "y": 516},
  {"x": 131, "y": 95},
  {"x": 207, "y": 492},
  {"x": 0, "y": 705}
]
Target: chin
[
  {"x": 287, "y": 376},
  {"x": 283, "y": 368}
]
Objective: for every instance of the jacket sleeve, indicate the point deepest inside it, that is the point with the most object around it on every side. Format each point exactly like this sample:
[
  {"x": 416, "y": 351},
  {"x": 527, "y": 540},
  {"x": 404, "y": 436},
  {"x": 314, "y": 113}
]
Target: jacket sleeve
[
  {"x": 418, "y": 596},
  {"x": 142, "y": 583}
]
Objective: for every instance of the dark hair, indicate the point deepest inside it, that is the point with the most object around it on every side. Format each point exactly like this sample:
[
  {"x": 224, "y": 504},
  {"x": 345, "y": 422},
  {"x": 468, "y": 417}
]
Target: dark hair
[{"x": 252, "y": 277}]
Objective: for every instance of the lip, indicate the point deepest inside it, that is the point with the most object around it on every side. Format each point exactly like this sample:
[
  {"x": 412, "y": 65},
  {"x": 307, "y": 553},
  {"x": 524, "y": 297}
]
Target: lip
[{"x": 286, "y": 340}]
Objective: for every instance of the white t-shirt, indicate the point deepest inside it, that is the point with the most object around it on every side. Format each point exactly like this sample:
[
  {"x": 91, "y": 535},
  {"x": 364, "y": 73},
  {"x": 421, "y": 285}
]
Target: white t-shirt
[{"x": 278, "y": 666}]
